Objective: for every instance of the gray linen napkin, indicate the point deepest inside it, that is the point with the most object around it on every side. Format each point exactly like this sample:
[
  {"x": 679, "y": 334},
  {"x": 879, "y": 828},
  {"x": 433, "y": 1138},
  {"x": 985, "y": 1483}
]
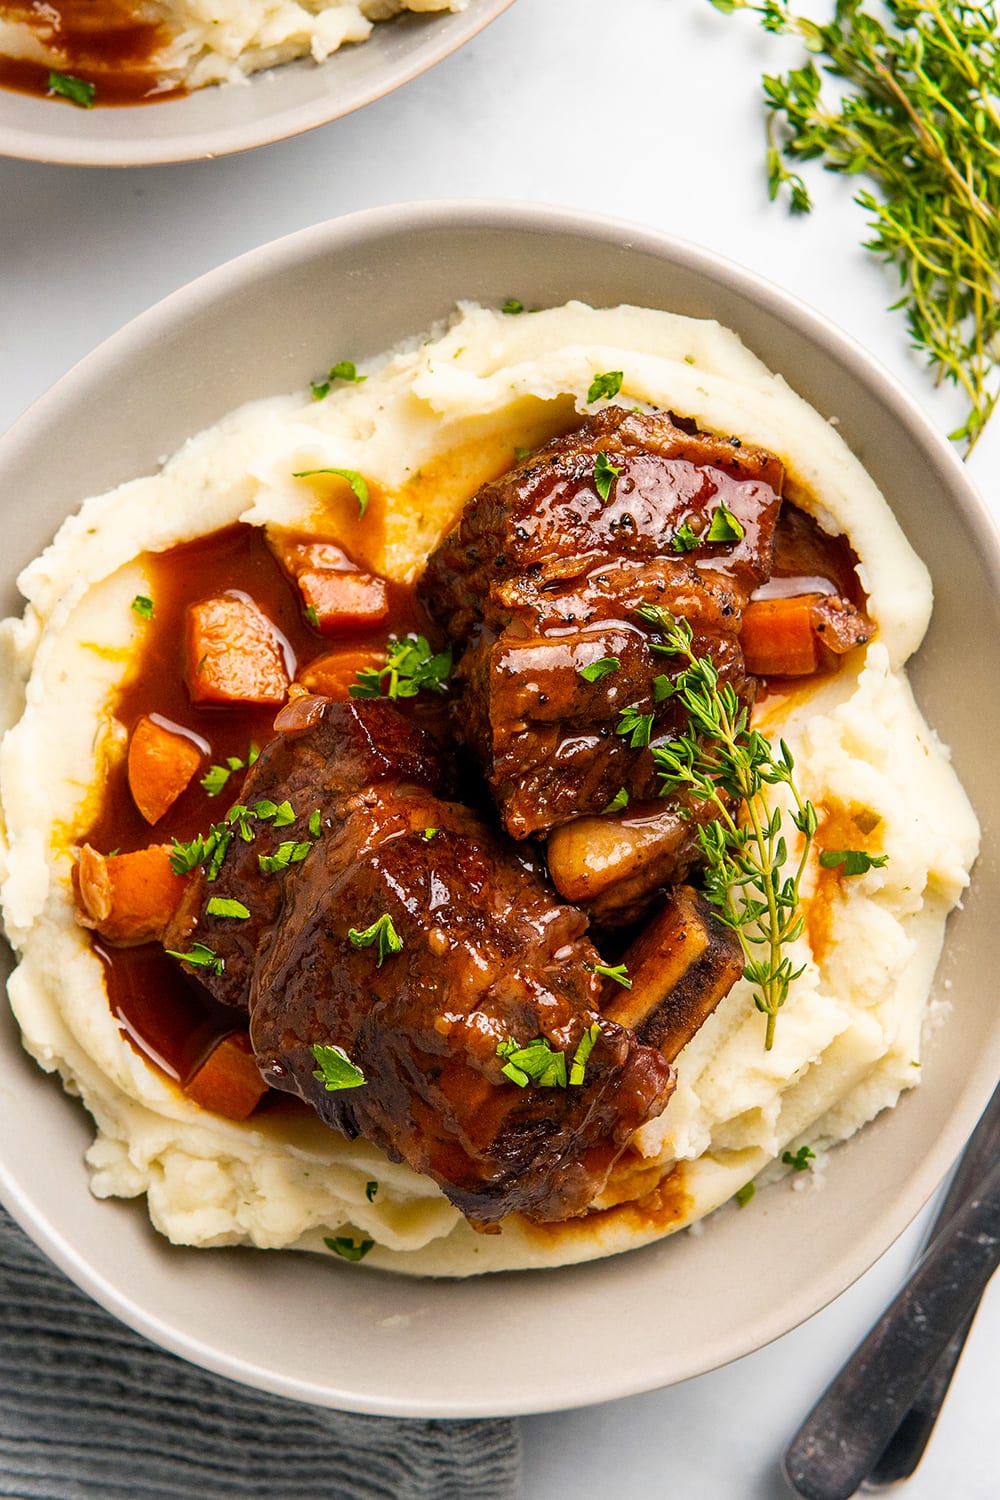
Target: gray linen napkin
[{"x": 89, "y": 1410}]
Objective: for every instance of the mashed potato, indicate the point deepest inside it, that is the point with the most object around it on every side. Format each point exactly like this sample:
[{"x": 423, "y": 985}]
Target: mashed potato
[
  {"x": 427, "y": 425},
  {"x": 197, "y": 42}
]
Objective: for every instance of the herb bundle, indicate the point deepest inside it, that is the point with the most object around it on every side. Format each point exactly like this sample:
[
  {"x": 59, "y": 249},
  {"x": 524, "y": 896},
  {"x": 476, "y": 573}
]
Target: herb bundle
[
  {"x": 917, "y": 112},
  {"x": 722, "y": 761}
]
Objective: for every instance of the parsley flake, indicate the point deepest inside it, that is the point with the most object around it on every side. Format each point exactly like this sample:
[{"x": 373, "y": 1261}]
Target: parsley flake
[
  {"x": 619, "y": 974},
  {"x": 618, "y": 802},
  {"x": 430, "y": 833},
  {"x": 380, "y": 934},
  {"x": 312, "y": 616},
  {"x": 410, "y": 667},
  {"x": 798, "y": 1162},
  {"x": 581, "y": 1056},
  {"x": 744, "y": 1194},
  {"x": 336, "y": 1071},
  {"x": 76, "y": 90},
  {"x": 852, "y": 861},
  {"x": 315, "y": 824},
  {"x": 347, "y": 1248},
  {"x": 288, "y": 853},
  {"x": 604, "y": 387},
  {"x": 536, "y": 1063},
  {"x": 598, "y": 669},
  {"x": 371, "y": 1188},
  {"x": 143, "y": 606},
  {"x": 512, "y": 307},
  {"x": 353, "y": 478},
  {"x": 636, "y": 727},
  {"x": 225, "y": 906},
  {"x": 605, "y": 475},
  {"x": 344, "y": 369},
  {"x": 215, "y": 779},
  {"x": 725, "y": 527},
  {"x": 200, "y": 957},
  {"x": 685, "y": 538}
]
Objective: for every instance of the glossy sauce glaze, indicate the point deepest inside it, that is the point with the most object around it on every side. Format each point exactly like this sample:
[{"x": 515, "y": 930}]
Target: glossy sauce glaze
[
  {"x": 167, "y": 1016},
  {"x": 172, "y": 1019},
  {"x": 107, "y": 43}
]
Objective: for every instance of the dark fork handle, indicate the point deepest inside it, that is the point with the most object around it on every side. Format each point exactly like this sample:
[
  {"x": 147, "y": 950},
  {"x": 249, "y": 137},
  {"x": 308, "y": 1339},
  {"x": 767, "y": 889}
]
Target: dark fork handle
[
  {"x": 847, "y": 1430},
  {"x": 905, "y": 1448}
]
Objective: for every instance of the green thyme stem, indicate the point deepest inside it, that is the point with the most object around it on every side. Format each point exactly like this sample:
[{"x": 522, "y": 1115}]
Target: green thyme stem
[
  {"x": 722, "y": 761},
  {"x": 917, "y": 114}
]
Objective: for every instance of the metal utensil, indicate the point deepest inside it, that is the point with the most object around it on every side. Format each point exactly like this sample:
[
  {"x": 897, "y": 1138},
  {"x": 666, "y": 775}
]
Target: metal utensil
[
  {"x": 845, "y": 1435},
  {"x": 905, "y": 1448}
]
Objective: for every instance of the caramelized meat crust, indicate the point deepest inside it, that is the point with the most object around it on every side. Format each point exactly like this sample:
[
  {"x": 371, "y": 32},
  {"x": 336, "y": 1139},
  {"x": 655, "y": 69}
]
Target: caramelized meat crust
[
  {"x": 543, "y": 578},
  {"x": 488, "y": 958}
]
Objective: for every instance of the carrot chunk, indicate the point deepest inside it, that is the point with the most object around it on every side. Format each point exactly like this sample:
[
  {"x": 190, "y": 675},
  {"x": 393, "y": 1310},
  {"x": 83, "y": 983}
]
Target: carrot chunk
[
  {"x": 160, "y": 765},
  {"x": 341, "y": 601},
  {"x": 234, "y": 653},
  {"x": 228, "y": 1081},
  {"x": 331, "y": 675},
  {"x": 779, "y": 638},
  {"x": 127, "y": 898}
]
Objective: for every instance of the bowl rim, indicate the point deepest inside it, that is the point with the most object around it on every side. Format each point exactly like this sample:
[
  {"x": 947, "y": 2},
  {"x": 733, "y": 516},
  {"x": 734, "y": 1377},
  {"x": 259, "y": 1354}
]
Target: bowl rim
[
  {"x": 136, "y": 150},
  {"x": 337, "y": 235}
]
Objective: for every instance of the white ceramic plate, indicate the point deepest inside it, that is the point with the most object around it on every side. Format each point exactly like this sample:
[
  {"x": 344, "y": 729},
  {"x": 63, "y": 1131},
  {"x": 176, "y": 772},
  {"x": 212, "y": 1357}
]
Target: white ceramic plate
[
  {"x": 218, "y": 121},
  {"x": 345, "y": 1336}
]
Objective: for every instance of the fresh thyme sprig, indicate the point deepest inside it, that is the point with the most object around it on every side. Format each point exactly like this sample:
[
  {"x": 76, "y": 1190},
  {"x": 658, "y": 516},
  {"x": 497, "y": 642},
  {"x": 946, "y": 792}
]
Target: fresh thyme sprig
[
  {"x": 721, "y": 760},
  {"x": 918, "y": 113}
]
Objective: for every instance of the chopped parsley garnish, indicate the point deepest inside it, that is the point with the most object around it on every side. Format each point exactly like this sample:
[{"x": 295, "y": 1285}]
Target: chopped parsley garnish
[
  {"x": 512, "y": 306},
  {"x": 353, "y": 478},
  {"x": 380, "y": 934},
  {"x": 798, "y": 1162},
  {"x": 288, "y": 853},
  {"x": 240, "y": 817},
  {"x": 371, "y": 1188},
  {"x": 347, "y": 1248},
  {"x": 336, "y": 1071},
  {"x": 685, "y": 539},
  {"x": 410, "y": 667},
  {"x": 539, "y": 1063},
  {"x": 744, "y": 1194},
  {"x": 312, "y": 616},
  {"x": 278, "y": 813},
  {"x": 200, "y": 957},
  {"x": 605, "y": 475},
  {"x": 618, "y": 802},
  {"x": 76, "y": 90},
  {"x": 344, "y": 369},
  {"x": 604, "y": 387},
  {"x": 315, "y": 824},
  {"x": 598, "y": 669},
  {"x": 520, "y": 453},
  {"x": 536, "y": 1063},
  {"x": 852, "y": 861},
  {"x": 581, "y": 1056},
  {"x": 216, "y": 777},
  {"x": 430, "y": 833},
  {"x": 637, "y": 727},
  {"x": 619, "y": 974},
  {"x": 143, "y": 606},
  {"x": 225, "y": 906},
  {"x": 202, "y": 850},
  {"x": 725, "y": 527}
]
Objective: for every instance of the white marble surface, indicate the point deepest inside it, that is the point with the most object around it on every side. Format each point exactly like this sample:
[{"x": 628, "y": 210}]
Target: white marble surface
[{"x": 645, "y": 109}]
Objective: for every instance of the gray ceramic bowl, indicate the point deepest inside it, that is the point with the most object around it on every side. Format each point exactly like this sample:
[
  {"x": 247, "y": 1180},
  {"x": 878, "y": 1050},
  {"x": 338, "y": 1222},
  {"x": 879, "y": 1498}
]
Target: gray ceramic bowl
[
  {"x": 655, "y": 1315},
  {"x": 218, "y": 121}
]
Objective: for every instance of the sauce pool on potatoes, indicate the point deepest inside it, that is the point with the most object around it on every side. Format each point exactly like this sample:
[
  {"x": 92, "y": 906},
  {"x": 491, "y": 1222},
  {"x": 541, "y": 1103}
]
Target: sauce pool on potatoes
[{"x": 169, "y": 1018}]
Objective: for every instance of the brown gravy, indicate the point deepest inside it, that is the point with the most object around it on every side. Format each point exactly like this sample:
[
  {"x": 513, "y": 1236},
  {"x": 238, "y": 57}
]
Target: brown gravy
[
  {"x": 108, "y": 43},
  {"x": 166, "y": 1015}
]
